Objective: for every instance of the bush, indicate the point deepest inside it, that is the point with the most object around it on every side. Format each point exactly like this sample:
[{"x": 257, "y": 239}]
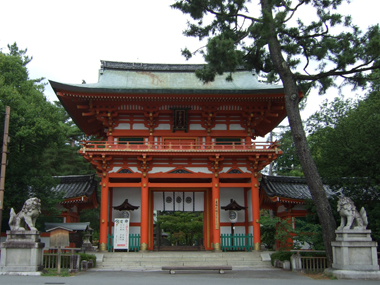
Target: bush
[
  {"x": 280, "y": 255},
  {"x": 85, "y": 256}
]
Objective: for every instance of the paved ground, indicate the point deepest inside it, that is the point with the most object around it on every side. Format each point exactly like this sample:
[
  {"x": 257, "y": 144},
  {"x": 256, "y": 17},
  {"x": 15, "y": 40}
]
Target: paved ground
[{"x": 259, "y": 277}]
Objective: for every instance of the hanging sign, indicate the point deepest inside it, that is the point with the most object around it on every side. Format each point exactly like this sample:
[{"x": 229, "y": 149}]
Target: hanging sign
[{"x": 121, "y": 234}]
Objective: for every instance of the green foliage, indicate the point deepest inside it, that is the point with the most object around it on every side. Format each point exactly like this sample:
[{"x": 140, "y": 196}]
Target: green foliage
[
  {"x": 40, "y": 133},
  {"x": 342, "y": 142},
  {"x": 92, "y": 216},
  {"x": 87, "y": 257},
  {"x": 54, "y": 272},
  {"x": 282, "y": 230},
  {"x": 185, "y": 228},
  {"x": 268, "y": 231},
  {"x": 318, "y": 51},
  {"x": 288, "y": 163},
  {"x": 280, "y": 255}
]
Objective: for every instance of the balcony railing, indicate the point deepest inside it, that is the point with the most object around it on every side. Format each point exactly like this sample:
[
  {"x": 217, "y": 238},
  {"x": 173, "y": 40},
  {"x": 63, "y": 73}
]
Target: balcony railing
[{"x": 101, "y": 146}]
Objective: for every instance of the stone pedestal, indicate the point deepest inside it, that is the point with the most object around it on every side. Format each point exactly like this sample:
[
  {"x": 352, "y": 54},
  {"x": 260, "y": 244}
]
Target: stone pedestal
[
  {"x": 355, "y": 255},
  {"x": 22, "y": 253}
]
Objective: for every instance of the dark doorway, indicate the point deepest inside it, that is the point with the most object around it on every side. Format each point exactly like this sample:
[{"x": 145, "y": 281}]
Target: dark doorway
[{"x": 178, "y": 231}]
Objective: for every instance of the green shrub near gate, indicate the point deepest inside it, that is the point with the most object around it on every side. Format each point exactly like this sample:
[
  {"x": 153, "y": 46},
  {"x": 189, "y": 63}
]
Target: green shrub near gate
[{"x": 87, "y": 257}]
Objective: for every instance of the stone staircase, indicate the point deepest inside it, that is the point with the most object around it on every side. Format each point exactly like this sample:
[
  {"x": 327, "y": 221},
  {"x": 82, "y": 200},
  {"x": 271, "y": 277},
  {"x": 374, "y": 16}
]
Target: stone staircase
[{"x": 153, "y": 261}]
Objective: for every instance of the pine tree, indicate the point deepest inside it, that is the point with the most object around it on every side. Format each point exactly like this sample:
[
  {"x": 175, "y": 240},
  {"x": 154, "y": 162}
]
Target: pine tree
[{"x": 278, "y": 44}]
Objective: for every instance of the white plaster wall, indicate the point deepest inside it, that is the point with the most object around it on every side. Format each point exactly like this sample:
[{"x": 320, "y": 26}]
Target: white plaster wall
[
  {"x": 139, "y": 127},
  {"x": 134, "y": 198},
  {"x": 115, "y": 169},
  {"x": 249, "y": 197},
  {"x": 220, "y": 127},
  {"x": 243, "y": 169},
  {"x": 123, "y": 126},
  {"x": 163, "y": 127},
  {"x": 196, "y": 127},
  {"x": 236, "y": 127},
  {"x": 227, "y": 230},
  {"x": 161, "y": 169},
  {"x": 281, "y": 209},
  {"x": 171, "y": 168},
  {"x": 226, "y": 194},
  {"x": 199, "y": 169}
]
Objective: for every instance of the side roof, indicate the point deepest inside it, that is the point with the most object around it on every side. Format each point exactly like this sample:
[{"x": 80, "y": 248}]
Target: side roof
[
  {"x": 76, "y": 185},
  {"x": 288, "y": 187}
]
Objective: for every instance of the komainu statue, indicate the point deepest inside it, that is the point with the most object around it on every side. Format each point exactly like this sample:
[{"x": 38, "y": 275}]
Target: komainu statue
[
  {"x": 27, "y": 216},
  {"x": 350, "y": 217}
]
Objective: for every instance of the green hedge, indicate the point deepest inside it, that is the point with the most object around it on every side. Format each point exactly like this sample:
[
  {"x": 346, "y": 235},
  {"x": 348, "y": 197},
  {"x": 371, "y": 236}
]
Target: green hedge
[
  {"x": 280, "y": 255},
  {"x": 85, "y": 256}
]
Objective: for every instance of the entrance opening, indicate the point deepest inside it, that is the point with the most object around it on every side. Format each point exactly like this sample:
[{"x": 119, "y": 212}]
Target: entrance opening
[{"x": 178, "y": 231}]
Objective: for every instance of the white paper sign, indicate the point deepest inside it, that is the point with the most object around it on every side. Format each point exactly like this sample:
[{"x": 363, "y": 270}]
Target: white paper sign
[{"x": 121, "y": 234}]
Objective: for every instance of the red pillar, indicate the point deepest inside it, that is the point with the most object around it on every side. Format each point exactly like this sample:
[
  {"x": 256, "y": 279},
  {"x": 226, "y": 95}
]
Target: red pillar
[
  {"x": 144, "y": 213},
  {"x": 104, "y": 213},
  {"x": 255, "y": 211},
  {"x": 216, "y": 212}
]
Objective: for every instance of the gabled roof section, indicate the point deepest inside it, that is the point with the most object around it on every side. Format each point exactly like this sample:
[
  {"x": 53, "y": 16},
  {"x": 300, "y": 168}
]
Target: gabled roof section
[
  {"x": 74, "y": 186},
  {"x": 128, "y": 77},
  {"x": 68, "y": 226},
  {"x": 288, "y": 187}
]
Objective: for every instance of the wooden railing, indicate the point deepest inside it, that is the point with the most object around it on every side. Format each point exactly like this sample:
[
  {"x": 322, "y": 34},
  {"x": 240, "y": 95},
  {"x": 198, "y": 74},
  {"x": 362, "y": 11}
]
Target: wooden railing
[
  {"x": 134, "y": 242},
  {"x": 56, "y": 258},
  {"x": 309, "y": 263},
  {"x": 313, "y": 263},
  {"x": 236, "y": 242},
  {"x": 202, "y": 147}
]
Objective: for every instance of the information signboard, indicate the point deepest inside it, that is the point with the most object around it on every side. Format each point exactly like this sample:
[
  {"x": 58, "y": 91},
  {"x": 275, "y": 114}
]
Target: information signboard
[{"x": 121, "y": 233}]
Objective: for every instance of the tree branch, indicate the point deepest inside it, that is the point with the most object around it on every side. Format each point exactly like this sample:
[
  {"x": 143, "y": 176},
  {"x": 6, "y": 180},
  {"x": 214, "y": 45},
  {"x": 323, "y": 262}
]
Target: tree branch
[{"x": 333, "y": 72}]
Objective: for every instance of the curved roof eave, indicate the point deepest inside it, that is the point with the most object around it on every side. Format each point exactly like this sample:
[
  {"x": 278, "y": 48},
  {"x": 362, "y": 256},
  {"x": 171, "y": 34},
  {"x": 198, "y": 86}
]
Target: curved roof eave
[{"x": 57, "y": 86}]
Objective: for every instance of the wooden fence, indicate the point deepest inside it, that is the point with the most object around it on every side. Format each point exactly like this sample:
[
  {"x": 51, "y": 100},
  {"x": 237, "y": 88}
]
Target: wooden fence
[
  {"x": 236, "y": 242},
  {"x": 313, "y": 263},
  {"x": 57, "y": 258}
]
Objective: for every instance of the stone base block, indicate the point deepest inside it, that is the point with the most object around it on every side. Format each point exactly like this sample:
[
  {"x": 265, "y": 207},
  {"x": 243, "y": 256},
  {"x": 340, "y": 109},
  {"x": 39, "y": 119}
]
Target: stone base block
[
  {"x": 354, "y": 250},
  {"x": 351, "y": 274},
  {"x": 22, "y": 253}
]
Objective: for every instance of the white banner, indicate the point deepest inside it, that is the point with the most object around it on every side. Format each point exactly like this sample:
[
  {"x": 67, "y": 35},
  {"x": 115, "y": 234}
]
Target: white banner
[{"x": 121, "y": 234}]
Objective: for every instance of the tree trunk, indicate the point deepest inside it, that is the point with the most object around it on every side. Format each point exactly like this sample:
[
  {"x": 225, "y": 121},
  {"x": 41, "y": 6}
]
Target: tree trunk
[{"x": 309, "y": 168}]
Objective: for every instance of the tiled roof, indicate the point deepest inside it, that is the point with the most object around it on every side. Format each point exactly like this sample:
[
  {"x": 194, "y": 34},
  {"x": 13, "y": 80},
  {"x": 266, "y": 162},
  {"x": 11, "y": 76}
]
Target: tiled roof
[
  {"x": 76, "y": 185},
  {"x": 288, "y": 187},
  {"x": 127, "y": 77},
  {"x": 69, "y": 226}
]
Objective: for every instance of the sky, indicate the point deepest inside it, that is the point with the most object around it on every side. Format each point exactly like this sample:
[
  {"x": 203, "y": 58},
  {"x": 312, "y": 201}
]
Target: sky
[{"x": 67, "y": 39}]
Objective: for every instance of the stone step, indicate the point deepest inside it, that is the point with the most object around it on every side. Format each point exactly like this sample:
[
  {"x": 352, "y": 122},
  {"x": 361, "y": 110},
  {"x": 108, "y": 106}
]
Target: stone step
[{"x": 124, "y": 261}]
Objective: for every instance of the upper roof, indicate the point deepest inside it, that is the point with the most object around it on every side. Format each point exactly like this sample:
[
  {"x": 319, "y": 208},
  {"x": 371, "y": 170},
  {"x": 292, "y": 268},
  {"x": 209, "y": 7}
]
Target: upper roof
[
  {"x": 76, "y": 186},
  {"x": 288, "y": 187},
  {"x": 128, "y": 77}
]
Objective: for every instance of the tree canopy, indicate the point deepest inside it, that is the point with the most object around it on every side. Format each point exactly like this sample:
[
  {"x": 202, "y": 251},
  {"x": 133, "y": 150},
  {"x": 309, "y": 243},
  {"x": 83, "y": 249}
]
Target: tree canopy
[
  {"x": 272, "y": 37},
  {"x": 40, "y": 134}
]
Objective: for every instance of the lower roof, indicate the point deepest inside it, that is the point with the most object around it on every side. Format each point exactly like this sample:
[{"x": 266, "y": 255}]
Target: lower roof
[
  {"x": 288, "y": 187},
  {"x": 73, "y": 186}
]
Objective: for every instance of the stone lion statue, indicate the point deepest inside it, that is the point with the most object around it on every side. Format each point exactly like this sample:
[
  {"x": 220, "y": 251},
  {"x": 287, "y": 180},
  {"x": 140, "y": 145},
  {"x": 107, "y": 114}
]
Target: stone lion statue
[
  {"x": 350, "y": 217},
  {"x": 27, "y": 216}
]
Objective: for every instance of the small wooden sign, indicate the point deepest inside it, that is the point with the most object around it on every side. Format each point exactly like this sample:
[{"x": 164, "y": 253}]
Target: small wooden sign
[{"x": 216, "y": 214}]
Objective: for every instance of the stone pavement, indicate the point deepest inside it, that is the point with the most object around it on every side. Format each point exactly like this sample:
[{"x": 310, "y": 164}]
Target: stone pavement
[{"x": 235, "y": 277}]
